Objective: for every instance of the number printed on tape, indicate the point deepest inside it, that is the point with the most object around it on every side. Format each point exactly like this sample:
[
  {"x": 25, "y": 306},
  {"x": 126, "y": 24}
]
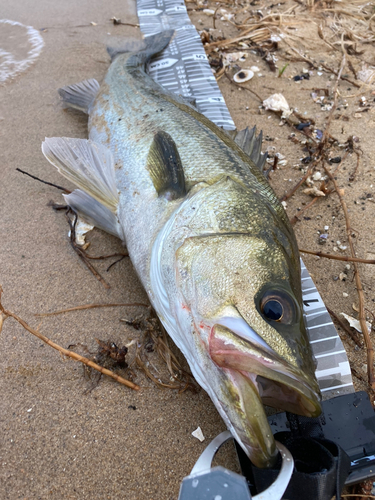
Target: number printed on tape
[
  {"x": 164, "y": 63},
  {"x": 149, "y": 12}
]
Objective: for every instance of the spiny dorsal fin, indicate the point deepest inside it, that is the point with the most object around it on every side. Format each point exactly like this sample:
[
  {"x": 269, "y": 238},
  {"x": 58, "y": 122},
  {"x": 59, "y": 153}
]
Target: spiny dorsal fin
[
  {"x": 80, "y": 95},
  {"x": 165, "y": 167},
  {"x": 250, "y": 144},
  {"x": 89, "y": 165}
]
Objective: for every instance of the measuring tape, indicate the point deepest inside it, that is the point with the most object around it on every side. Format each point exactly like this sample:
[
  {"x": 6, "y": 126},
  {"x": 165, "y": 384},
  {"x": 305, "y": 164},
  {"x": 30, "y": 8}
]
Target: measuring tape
[{"x": 183, "y": 68}]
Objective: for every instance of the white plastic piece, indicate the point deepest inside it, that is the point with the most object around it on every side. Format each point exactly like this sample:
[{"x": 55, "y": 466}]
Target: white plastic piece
[
  {"x": 204, "y": 461},
  {"x": 278, "y": 487},
  {"x": 273, "y": 492},
  {"x": 198, "y": 434},
  {"x": 354, "y": 323},
  {"x": 81, "y": 229}
]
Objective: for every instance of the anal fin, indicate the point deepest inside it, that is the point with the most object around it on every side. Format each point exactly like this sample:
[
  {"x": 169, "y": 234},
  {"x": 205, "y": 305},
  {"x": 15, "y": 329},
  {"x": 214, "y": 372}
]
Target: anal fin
[
  {"x": 80, "y": 95},
  {"x": 165, "y": 167},
  {"x": 94, "y": 212},
  {"x": 89, "y": 165}
]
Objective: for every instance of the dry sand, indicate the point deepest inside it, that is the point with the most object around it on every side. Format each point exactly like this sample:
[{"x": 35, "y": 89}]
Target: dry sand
[{"x": 56, "y": 441}]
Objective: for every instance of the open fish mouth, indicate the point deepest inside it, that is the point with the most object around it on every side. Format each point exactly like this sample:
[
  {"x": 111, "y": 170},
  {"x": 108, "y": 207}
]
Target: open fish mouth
[{"x": 254, "y": 378}]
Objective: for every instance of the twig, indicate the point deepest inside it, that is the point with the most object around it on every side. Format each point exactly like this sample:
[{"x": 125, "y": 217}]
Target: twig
[
  {"x": 347, "y": 495},
  {"x": 91, "y": 306},
  {"x": 334, "y": 106},
  {"x": 362, "y": 319},
  {"x": 44, "y": 182},
  {"x": 81, "y": 254},
  {"x": 295, "y": 218},
  {"x": 345, "y": 258},
  {"x": 299, "y": 183},
  {"x": 116, "y": 262},
  {"x": 101, "y": 257},
  {"x": 354, "y": 173},
  {"x": 65, "y": 352},
  {"x": 214, "y": 18},
  {"x": 353, "y": 335}
]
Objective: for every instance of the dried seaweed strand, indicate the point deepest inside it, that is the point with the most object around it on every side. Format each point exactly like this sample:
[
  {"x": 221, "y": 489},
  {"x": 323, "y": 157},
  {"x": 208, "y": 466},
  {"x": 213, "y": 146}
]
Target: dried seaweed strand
[
  {"x": 362, "y": 318},
  {"x": 345, "y": 258},
  {"x": 65, "y": 352},
  {"x": 91, "y": 306},
  {"x": 44, "y": 182},
  {"x": 81, "y": 254}
]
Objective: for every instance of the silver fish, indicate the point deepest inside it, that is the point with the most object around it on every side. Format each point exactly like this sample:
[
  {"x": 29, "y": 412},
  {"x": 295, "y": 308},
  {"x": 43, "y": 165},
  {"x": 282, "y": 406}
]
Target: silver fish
[{"x": 207, "y": 235}]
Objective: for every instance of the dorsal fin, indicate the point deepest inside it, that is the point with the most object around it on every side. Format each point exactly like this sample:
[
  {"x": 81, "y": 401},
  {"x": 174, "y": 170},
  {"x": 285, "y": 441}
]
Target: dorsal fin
[
  {"x": 142, "y": 50},
  {"x": 251, "y": 145},
  {"x": 165, "y": 167},
  {"x": 247, "y": 140}
]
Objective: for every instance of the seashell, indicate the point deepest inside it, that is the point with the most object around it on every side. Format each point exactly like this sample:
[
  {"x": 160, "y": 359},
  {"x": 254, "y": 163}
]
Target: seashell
[{"x": 243, "y": 76}]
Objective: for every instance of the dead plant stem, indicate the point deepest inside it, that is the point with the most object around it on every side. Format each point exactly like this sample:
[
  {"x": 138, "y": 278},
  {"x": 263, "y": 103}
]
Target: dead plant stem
[
  {"x": 65, "y": 352},
  {"x": 344, "y": 258},
  {"x": 91, "y": 306},
  {"x": 362, "y": 318}
]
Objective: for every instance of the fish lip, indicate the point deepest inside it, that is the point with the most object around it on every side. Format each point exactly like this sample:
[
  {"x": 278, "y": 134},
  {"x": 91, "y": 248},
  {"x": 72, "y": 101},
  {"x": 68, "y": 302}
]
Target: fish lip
[
  {"x": 261, "y": 377},
  {"x": 268, "y": 368}
]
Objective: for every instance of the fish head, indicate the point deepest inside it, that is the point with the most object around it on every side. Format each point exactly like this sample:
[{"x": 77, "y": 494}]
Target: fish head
[{"x": 244, "y": 297}]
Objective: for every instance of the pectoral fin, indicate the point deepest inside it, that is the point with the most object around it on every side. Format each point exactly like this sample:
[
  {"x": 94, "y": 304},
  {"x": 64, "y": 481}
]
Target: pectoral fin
[
  {"x": 87, "y": 164},
  {"x": 165, "y": 167}
]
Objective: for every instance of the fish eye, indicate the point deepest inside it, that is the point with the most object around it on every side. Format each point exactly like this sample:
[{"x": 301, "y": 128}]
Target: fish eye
[
  {"x": 277, "y": 306},
  {"x": 273, "y": 309}
]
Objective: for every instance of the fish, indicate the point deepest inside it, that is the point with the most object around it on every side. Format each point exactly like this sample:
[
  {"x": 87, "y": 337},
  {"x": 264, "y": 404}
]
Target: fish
[{"x": 207, "y": 235}]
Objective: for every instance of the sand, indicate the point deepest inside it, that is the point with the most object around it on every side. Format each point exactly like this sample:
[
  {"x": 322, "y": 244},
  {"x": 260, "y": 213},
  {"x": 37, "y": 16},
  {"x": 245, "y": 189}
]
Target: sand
[{"x": 56, "y": 440}]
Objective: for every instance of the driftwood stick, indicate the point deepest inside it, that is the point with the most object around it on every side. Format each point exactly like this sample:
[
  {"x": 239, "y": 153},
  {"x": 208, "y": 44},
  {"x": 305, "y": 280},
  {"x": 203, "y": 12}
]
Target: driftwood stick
[{"x": 65, "y": 352}]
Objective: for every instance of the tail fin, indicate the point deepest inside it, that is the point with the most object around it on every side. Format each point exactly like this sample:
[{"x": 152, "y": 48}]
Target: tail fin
[{"x": 141, "y": 51}]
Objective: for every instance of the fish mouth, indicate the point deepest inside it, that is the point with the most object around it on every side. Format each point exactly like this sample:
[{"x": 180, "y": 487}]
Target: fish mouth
[{"x": 253, "y": 378}]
